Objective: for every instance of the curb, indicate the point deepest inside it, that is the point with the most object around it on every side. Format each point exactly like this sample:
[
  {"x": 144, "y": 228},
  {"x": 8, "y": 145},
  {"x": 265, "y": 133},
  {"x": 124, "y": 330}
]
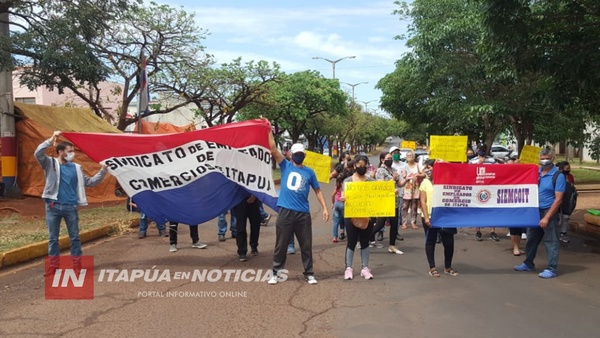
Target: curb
[
  {"x": 40, "y": 249},
  {"x": 589, "y": 227}
]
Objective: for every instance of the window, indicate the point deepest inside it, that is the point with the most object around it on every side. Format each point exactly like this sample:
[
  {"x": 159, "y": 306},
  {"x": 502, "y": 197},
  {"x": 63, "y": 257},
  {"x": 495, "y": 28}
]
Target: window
[{"x": 28, "y": 100}]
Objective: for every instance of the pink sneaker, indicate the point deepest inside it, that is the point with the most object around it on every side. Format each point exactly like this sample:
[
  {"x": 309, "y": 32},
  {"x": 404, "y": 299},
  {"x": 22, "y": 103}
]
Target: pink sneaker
[
  {"x": 366, "y": 272},
  {"x": 348, "y": 273}
]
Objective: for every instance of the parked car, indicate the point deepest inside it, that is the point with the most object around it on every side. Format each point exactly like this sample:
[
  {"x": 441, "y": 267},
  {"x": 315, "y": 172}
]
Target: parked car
[
  {"x": 500, "y": 151},
  {"x": 403, "y": 152}
]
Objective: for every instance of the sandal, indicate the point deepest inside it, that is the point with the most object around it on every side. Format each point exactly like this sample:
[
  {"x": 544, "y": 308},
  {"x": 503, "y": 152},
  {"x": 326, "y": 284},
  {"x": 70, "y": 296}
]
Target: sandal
[
  {"x": 434, "y": 273},
  {"x": 517, "y": 253},
  {"x": 451, "y": 272},
  {"x": 414, "y": 226},
  {"x": 403, "y": 227}
]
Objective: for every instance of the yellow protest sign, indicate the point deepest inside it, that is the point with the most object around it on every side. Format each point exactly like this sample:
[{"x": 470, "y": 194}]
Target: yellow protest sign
[
  {"x": 530, "y": 155},
  {"x": 409, "y": 144},
  {"x": 369, "y": 199},
  {"x": 321, "y": 164},
  {"x": 448, "y": 148}
]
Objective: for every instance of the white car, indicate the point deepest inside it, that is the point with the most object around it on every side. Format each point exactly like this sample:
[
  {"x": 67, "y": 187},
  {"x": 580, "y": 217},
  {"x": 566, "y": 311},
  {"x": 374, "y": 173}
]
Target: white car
[
  {"x": 403, "y": 152},
  {"x": 500, "y": 151}
]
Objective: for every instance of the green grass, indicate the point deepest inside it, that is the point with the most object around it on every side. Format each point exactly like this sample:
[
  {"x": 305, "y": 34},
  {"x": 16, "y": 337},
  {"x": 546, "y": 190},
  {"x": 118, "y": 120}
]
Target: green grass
[
  {"x": 16, "y": 231},
  {"x": 576, "y": 163},
  {"x": 585, "y": 176},
  {"x": 276, "y": 173}
]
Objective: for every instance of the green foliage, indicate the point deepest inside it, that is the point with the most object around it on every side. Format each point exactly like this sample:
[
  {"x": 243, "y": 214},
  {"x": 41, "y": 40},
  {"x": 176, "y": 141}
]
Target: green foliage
[
  {"x": 54, "y": 40},
  {"x": 295, "y": 99}
]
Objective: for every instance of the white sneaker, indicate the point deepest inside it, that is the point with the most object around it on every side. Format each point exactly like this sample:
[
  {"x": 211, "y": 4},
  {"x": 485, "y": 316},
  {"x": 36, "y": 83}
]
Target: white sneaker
[
  {"x": 523, "y": 236},
  {"x": 199, "y": 245},
  {"x": 173, "y": 248},
  {"x": 273, "y": 280},
  {"x": 366, "y": 272},
  {"x": 311, "y": 279}
]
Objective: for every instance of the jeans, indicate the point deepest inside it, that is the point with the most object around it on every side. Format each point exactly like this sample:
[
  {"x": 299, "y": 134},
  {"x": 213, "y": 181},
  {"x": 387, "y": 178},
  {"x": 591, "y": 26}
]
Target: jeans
[
  {"x": 338, "y": 217},
  {"x": 400, "y": 204},
  {"x": 222, "y": 224},
  {"x": 356, "y": 235},
  {"x": 55, "y": 212},
  {"x": 144, "y": 223},
  {"x": 550, "y": 237}
]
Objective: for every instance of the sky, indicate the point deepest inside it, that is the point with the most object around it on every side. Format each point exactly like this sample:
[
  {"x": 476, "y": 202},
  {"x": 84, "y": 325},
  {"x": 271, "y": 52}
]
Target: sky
[{"x": 291, "y": 33}]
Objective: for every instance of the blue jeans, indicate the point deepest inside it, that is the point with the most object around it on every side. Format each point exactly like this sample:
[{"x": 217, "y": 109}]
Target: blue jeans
[
  {"x": 222, "y": 224},
  {"x": 144, "y": 223},
  {"x": 338, "y": 217},
  {"x": 399, "y": 202},
  {"x": 550, "y": 237},
  {"x": 55, "y": 212}
]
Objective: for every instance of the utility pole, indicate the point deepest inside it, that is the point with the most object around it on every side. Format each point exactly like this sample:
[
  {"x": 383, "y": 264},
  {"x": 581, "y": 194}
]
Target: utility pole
[{"x": 7, "y": 119}]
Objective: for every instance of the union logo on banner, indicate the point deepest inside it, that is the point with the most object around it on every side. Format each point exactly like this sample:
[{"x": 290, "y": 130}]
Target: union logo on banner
[{"x": 466, "y": 195}]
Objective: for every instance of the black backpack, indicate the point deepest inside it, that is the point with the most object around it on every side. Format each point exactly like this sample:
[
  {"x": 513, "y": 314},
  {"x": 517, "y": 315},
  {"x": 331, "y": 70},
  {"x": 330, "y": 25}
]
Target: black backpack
[{"x": 569, "y": 201}]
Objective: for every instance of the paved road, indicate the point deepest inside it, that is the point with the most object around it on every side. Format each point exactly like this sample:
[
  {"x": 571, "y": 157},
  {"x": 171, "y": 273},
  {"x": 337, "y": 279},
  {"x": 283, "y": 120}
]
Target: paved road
[{"x": 488, "y": 299}]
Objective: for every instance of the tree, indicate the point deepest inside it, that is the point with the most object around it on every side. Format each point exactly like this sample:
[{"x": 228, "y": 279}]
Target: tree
[
  {"x": 443, "y": 83},
  {"x": 53, "y": 37},
  {"x": 554, "y": 44},
  {"x": 298, "y": 98},
  {"x": 219, "y": 93}
]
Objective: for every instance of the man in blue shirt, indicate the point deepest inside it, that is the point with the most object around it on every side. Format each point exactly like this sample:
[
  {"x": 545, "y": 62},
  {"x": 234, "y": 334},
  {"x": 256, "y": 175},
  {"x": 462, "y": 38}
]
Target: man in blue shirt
[
  {"x": 63, "y": 192},
  {"x": 550, "y": 197},
  {"x": 294, "y": 212}
]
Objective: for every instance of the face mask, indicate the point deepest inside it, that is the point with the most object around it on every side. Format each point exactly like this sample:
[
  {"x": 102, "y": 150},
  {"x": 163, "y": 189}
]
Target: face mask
[
  {"x": 361, "y": 170},
  {"x": 481, "y": 153},
  {"x": 396, "y": 157},
  {"x": 566, "y": 172},
  {"x": 298, "y": 158},
  {"x": 472, "y": 156},
  {"x": 70, "y": 156},
  {"x": 428, "y": 173},
  {"x": 388, "y": 163},
  {"x": 546, "y": 163}
]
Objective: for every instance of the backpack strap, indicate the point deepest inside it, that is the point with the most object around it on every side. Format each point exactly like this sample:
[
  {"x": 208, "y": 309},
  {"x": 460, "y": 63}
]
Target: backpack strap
[{"x": 554, "y": 178}]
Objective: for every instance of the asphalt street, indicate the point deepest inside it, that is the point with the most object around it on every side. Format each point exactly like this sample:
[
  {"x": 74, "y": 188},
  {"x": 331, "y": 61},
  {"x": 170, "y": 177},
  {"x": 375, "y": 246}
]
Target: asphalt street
[{"x": 488, "y": 299}]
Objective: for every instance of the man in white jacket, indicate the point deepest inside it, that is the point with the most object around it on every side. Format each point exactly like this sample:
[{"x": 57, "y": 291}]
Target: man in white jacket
[{"x": 64, "y": 192}]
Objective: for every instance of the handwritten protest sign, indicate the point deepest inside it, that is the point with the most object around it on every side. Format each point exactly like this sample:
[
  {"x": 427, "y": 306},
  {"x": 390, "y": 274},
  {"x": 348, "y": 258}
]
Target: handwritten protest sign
[
  {"x": 369, "y": 199},
  {"x": 409, "y": 144},
  {"x": 448, "y": 148},
  {"x": 321, "y": 164},
  {"x": 529, "y": 154}
]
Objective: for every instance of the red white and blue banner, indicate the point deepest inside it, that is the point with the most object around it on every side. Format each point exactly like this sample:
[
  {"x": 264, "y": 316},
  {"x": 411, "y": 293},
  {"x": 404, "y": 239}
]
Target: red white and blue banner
[
  {"x": 189, "y": 177},
  {"x": 468, "y": 195}
]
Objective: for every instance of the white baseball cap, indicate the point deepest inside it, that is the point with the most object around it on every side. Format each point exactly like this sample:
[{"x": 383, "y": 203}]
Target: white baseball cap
[
  {"x": 392, "y": 149},
  {"x": 297, "y": 147}
]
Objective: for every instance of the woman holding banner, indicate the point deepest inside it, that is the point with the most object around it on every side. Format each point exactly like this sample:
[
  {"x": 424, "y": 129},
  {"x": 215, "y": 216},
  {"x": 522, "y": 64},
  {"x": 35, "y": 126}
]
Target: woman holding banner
[
  {"x": 358, "y": 229},
  {"x": 447, "y": 234}
]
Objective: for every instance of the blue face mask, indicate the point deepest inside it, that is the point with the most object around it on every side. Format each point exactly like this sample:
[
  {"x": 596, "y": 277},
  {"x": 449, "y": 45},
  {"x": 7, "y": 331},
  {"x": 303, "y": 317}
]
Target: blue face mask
[{"x": 298, "y": 157}]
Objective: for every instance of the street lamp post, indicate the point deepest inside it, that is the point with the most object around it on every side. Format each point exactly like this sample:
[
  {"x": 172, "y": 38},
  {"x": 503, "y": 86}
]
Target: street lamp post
[
  {"x": 354, "y": 85},
  {"x": 366, "y": 104},
  {"x": 333, "y": 62}
]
